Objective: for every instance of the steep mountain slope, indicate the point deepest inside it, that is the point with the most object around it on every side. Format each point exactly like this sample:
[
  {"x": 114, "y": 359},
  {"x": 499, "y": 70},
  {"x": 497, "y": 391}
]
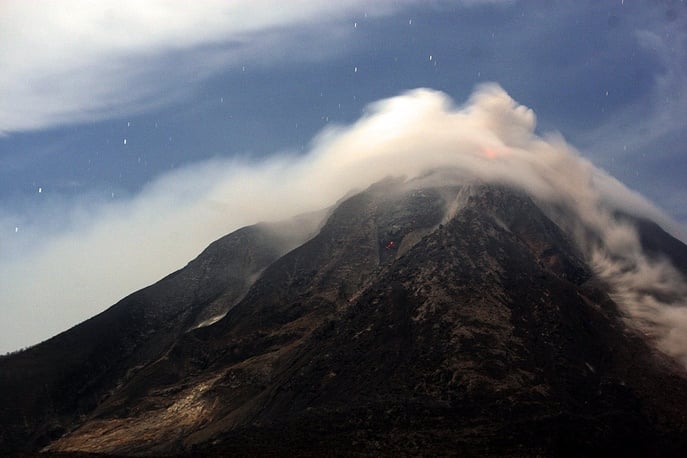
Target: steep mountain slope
[
  {"x": 657, "y": 242},
  {"x": 420, "y": 319},
  {"x": 46, "y": 388}
]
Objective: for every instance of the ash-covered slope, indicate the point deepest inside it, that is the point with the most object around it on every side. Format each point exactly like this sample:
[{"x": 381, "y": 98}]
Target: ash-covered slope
[{"x": 420, "y": 319}]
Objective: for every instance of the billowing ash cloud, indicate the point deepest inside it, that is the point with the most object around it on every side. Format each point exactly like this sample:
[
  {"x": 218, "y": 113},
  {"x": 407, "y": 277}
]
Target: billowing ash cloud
[{"x": 110, "y": 250}]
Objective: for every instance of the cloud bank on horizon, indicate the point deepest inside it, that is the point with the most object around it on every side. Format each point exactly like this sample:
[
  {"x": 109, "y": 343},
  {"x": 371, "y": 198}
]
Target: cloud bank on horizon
[{"x": 111, "y": 249}]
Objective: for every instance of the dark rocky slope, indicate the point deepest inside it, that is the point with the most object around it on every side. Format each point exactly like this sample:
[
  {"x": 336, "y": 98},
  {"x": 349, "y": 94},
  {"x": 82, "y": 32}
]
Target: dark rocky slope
[
  {"x": 396, "y": 330},
  {"x": 50, "y": 387}
]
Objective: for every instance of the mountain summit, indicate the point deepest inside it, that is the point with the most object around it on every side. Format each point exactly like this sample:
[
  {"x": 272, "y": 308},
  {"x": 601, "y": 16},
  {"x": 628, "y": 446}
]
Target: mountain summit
[{"x": 415, "y": 317}]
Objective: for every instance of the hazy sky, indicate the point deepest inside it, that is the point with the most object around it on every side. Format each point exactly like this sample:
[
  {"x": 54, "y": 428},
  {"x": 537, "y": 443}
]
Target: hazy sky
[{"x": 116, "y": 118}]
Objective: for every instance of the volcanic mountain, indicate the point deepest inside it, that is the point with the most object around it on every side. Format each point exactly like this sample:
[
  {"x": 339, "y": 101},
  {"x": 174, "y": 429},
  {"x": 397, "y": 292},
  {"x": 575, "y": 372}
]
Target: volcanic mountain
[{"x": 415, "y": 317}]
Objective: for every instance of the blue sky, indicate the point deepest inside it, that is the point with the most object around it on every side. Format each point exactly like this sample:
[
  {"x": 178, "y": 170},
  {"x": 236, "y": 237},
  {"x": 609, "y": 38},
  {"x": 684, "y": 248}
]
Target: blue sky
[{"x": 102, "y": 105}]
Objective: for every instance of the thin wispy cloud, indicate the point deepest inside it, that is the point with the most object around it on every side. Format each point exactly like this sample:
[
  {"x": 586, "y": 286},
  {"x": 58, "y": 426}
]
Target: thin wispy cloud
[
  {"x": 80, "y": 61},
  {"x": 662, "y": 112}
]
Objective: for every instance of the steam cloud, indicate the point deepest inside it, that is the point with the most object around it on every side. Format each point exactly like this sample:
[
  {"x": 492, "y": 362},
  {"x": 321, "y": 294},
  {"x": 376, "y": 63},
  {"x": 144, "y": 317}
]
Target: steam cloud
[{"x": 110, "y": 250}]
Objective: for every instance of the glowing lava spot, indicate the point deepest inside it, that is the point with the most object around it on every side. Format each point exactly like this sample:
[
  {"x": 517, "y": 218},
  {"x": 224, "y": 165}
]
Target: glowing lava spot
[{"x": 489, "y": 153}]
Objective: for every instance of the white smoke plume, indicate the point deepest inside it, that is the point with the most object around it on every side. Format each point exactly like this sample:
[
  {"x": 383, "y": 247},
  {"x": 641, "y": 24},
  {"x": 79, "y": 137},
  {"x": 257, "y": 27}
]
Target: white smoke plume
[{"x": 105, "y": 251}]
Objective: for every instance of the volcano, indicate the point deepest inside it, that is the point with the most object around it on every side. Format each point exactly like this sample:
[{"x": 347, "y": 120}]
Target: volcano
[{"x": 417, "y": 317}]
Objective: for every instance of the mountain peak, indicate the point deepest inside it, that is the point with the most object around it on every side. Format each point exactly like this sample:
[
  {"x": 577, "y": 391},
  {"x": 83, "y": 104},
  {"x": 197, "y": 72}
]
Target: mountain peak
[{"x": 421, "y": 316}]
